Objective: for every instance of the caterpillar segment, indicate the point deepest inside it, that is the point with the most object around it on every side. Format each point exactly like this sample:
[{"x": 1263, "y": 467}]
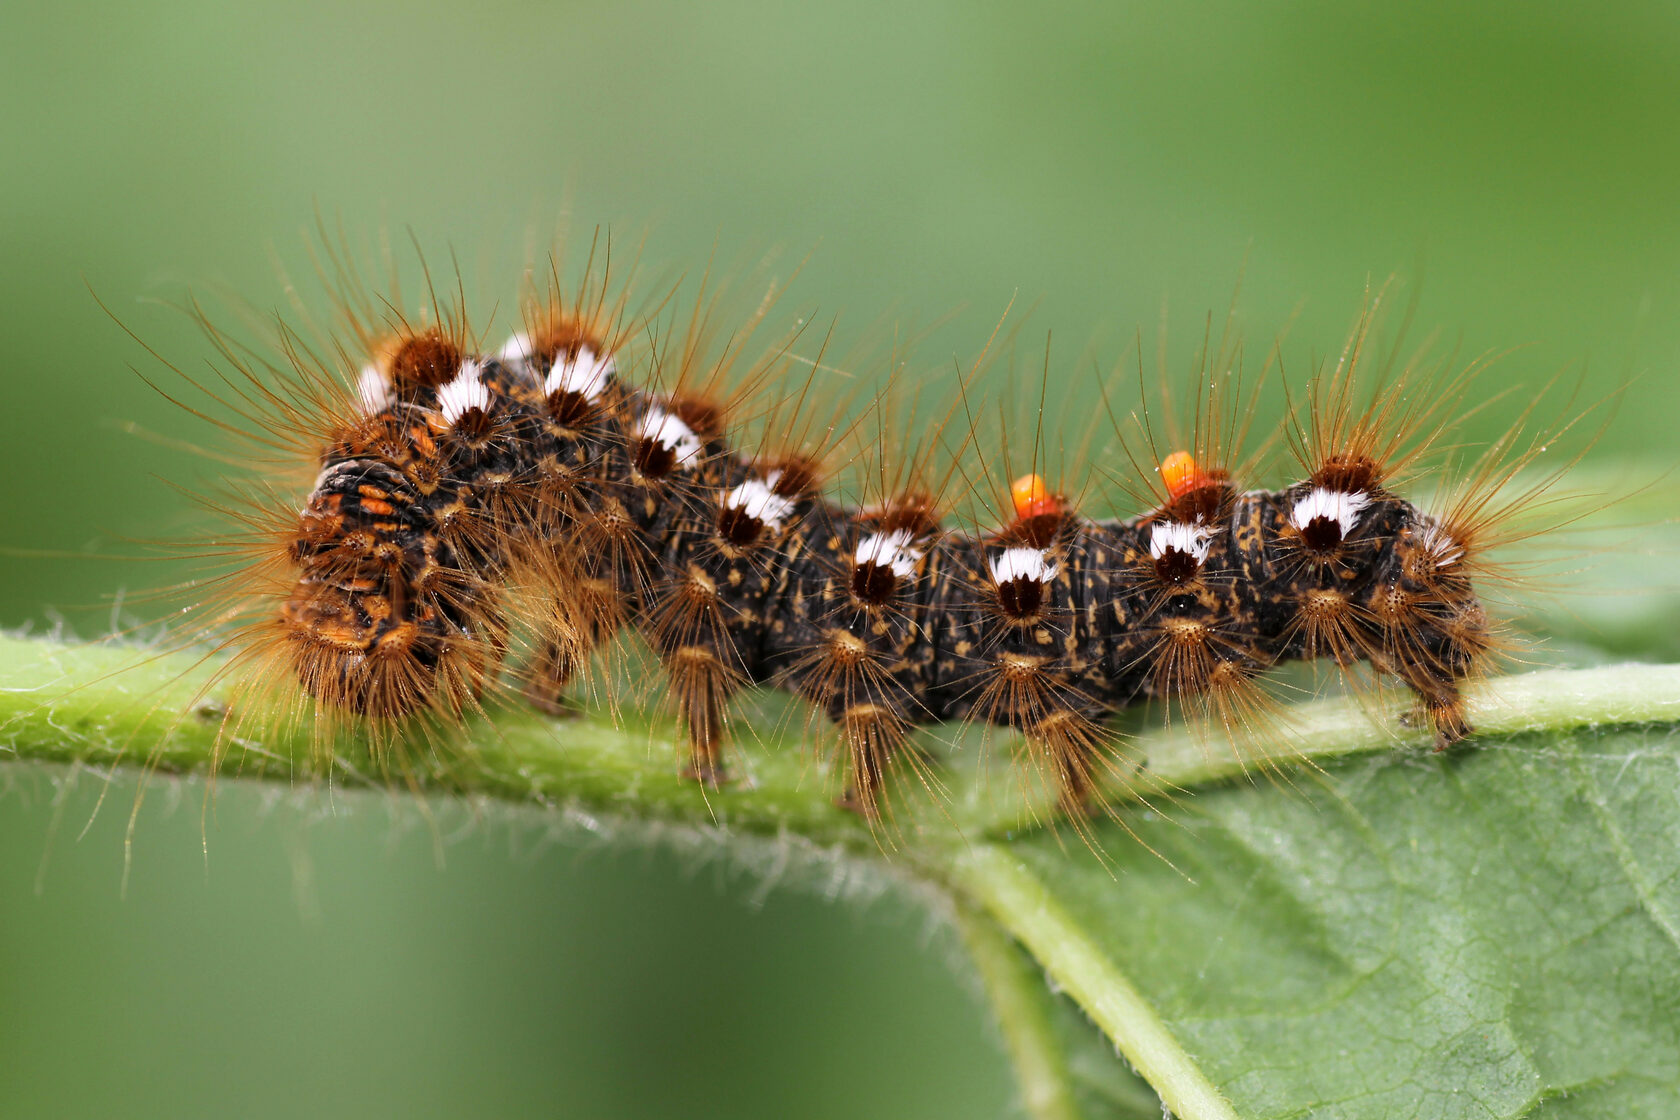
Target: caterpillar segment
[
  {"x": 847, "y": 630},
  {"x": 534, "y": 500}
]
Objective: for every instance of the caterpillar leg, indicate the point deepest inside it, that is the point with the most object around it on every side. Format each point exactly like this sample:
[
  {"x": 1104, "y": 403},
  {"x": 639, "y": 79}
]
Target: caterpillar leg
[
  {"x": 1445, "y": 712},
  {"x": 575, "y": 629},
  {"x": 1064, "y": 745},
  {"x": 845, "y": 678},
  {"x": 871, "y": 736},
  {"x": 1073, "y": 751},
  {"x": 549, "y": 672},
  {"x": 1435, "y": 680},
  {"x": 1434, "y": 636},
  {"x": 701, "y": 685},
  {"x": 703, "y": 668}
]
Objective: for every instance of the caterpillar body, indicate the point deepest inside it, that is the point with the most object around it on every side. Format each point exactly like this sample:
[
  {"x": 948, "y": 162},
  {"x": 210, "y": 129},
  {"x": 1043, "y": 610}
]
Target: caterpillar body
[{"x": 486, "y": 519}]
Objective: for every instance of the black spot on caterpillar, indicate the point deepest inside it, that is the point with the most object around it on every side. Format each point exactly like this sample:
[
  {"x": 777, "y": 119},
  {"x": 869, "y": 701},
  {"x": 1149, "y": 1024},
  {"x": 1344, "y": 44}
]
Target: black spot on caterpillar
[{"x": 484, "y": 520}]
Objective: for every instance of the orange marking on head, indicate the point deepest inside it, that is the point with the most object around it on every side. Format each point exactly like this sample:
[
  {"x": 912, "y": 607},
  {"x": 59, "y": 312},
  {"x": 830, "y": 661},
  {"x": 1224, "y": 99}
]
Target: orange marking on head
[{"x": 1032, "y": 498}]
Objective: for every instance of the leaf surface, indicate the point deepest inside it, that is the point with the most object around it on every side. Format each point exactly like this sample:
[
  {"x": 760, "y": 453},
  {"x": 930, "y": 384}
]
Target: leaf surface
[{"x": 1493, "y": 933}]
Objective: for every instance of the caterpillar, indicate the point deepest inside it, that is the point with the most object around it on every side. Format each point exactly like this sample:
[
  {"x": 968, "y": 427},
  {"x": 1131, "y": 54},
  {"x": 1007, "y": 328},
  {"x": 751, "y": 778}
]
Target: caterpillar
[{"x": 486, "y": 518}]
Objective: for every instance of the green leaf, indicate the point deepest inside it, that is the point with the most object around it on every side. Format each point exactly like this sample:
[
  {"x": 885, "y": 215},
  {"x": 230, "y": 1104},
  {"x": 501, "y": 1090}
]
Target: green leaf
[{"x": 1493, "y": 932}]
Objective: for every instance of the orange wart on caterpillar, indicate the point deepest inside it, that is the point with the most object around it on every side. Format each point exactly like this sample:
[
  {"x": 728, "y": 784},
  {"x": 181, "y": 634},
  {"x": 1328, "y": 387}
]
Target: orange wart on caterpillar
[{"x": 483, "y": 518}]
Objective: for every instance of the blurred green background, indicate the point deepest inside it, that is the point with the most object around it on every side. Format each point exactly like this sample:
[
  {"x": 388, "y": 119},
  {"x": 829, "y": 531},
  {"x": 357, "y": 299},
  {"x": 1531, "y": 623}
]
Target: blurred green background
[{"x": 1521, "y": 160}]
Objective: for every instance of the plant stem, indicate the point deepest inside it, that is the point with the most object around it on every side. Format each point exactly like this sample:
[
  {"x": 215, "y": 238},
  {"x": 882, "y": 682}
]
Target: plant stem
[
  {"x": 1549, "y": 700},
  {"x": 110, "y": 705},
  {"x": 1017, "y": 994},
  {"x": 106, "y": 705},
  {"x": 1012, "y": 895}
]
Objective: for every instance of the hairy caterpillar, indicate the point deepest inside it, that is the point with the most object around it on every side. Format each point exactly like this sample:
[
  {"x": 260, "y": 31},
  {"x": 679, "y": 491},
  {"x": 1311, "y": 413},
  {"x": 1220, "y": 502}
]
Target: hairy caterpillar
[{"x": 486, "y": 518}]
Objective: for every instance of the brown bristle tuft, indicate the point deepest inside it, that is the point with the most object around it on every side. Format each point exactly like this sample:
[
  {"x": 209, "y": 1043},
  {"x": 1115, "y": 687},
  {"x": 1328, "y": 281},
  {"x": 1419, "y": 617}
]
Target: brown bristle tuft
[
  {"x": 1039, "y": 531},
  {"x": 1348, "y": 473},
  {"x": 563, "y": 334},
  {"x": 423, "y": 360},
  {"x": 916, "y": 513},
  {"x": 705, "y": 416},
  {"x": 798, "y": 476},
  {"x": 1206, "y": 502}
]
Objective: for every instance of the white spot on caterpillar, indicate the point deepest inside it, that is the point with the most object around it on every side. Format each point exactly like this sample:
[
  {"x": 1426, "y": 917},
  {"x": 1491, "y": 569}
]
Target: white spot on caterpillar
[
  {"x": 515, "y": 349},
  {"x": 669, "y": 432},
  {"x": 757, "y": 499},
  {"x": 1439, "y": 545},
  {"x": 584, "y": 374},
  {"x": 374, "y": 389},
  {"x": 1023, "y": 563},
  {"x": 1339, "y": 506},
  {"x": 890, "y": 550},
  {"x": 1178, "y": 536},
  {"x": 464, "y": 394}
]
